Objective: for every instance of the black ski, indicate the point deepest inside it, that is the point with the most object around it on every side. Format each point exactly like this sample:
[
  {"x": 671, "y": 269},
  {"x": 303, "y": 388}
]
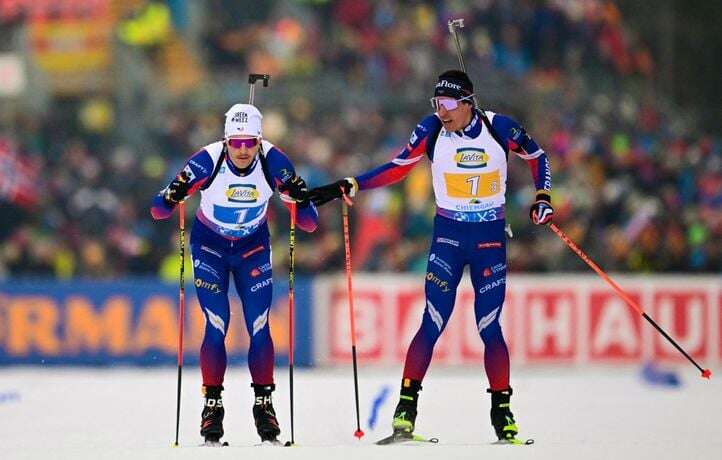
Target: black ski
[
  {"x": 515, "y": 442},
  {"x": 401, "y": 437}
]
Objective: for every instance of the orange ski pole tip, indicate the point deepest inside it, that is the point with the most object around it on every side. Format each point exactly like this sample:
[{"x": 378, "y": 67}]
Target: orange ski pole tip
[
  {"x": 707, "y": 374},
  {"x": 359, "y": 434}
]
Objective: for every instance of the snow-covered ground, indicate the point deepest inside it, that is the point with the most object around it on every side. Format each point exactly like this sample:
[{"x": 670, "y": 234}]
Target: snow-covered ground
[{"x": 72, "y": 413}]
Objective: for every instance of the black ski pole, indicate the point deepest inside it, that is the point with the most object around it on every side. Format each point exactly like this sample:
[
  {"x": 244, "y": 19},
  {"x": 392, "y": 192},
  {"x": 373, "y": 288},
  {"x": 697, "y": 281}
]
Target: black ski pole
[{"x": 181, "y": 313}]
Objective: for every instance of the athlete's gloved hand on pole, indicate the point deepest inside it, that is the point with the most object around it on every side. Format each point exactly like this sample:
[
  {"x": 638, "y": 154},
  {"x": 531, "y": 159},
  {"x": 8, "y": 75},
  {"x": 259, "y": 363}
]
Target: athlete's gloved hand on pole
[
  {"x": 177, "y": 190},
  {"x": 541, "y": 211},
  {"x": 325, "y": 193},
  {"x": 297, "y": 189}
]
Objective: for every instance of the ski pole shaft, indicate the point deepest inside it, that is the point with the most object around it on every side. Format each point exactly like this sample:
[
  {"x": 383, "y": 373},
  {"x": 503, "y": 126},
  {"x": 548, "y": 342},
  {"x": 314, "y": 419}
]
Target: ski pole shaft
[
  {"x": 181, "y": 312},
  {"x": 291, "y": 307},
  {"x": 706, "y": 373},
  {"x": 349, "y": 289}
]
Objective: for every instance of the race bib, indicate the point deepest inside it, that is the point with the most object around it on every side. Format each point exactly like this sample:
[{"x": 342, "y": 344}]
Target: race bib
[{"x": 478, "y": 185}]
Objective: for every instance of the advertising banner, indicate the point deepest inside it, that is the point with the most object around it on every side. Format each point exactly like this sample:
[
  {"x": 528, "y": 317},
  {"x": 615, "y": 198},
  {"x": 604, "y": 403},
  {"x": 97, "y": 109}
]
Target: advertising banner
[
  {"x": 129, "y": 322},
  {"x": 556, "y": 319},
  {"x": 546, "y": 319}
]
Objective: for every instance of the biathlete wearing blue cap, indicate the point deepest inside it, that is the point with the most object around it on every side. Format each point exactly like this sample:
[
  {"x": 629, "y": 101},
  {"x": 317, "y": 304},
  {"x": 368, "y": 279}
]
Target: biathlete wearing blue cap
[
  {"x": 236, "y": 177},
  {"x": 468, "y": 149}
]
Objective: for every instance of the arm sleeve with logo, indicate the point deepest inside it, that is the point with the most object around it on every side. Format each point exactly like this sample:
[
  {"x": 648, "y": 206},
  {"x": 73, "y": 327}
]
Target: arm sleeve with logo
[
  {"x": 399, "y": 167},
  {"x": 519, "y": 142},
  {"x": 281, "y": 170},
  {"x": 198, "y": 168}
]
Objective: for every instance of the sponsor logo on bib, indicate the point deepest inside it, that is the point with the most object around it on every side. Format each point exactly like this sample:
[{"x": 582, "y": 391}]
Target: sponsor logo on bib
[
  {"x": 242, "y": 193},
  {"x": 471, "y": 158}
]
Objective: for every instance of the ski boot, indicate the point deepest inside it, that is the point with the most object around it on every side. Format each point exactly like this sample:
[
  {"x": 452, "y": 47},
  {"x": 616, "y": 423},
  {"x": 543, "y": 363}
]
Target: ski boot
[
  {"x": 264, "y": 414},
  {"x": 405, "y": 416},
  {"x": 212, "y": 415},
  {"x": 405, "y": 413},
  {"x": 502, "y": 419}
]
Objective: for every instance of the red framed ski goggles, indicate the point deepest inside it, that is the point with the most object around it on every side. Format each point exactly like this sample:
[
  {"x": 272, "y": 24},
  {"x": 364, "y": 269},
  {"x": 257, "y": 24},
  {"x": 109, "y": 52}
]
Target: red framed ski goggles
[
  {"x": 447, "y": 102},
  {"x": 238, "y": 142}
]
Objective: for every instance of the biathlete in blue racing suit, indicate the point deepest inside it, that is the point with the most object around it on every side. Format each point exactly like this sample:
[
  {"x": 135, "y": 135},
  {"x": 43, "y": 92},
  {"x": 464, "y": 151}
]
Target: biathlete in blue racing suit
[
  {"x": 236, "y": 177},
  {"x": 468, "y": 149}
]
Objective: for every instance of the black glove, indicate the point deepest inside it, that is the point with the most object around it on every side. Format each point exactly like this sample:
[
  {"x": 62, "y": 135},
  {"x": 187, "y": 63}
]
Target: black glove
[
  {"x": 541, "y": 211},
  {"x": 296, "y": 188},
  {"x": 177, "y": 190},
  {"x": 325, "y": 193}
]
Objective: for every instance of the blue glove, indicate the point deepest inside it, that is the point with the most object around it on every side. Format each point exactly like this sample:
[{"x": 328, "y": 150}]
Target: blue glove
[{"x": 541, "y": 211}]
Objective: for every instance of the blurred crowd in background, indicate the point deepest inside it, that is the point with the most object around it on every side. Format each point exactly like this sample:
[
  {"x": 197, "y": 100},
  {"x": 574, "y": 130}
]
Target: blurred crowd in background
[{"x": 636, "y": 183}]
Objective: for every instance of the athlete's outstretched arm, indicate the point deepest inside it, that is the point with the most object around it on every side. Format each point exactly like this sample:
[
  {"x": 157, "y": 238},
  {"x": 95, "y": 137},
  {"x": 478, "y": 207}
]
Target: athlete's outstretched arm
[
  {"x": 519, "y": 142},
  {"x": 193, "y": 175},
  {"x": 291, "y": 188},
  {"x": 388, "y": 173}
]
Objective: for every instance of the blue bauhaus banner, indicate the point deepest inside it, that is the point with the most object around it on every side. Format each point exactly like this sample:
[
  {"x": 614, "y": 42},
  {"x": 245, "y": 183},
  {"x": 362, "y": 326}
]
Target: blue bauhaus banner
[{"x": 131, "y": 321}]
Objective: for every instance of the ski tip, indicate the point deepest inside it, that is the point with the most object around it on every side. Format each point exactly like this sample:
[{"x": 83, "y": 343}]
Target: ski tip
[
  {"x": 402, "y": 437},
  {"x": 706, "y": 374},
  {"x": 515, "y": 442},
  {"x": 359, "y": 434},
  {"x": 419, "y": 438}
]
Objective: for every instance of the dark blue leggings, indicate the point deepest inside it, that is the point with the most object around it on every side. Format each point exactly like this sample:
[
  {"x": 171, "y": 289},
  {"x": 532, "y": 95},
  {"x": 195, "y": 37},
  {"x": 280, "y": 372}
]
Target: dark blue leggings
[
  {"x": 481, "y": 245},
  {"x": 249, "y": 261}
]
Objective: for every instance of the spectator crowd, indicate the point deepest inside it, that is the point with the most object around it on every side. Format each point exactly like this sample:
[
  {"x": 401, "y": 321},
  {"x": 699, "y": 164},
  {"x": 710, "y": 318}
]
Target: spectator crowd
[{"x": 635, "y": 183}]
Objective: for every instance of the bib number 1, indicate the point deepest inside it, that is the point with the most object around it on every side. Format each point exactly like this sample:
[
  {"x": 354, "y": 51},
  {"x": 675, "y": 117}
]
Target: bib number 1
[
  {"x": 241, "y": 215},
  {"x": 474, "y": 181}
]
